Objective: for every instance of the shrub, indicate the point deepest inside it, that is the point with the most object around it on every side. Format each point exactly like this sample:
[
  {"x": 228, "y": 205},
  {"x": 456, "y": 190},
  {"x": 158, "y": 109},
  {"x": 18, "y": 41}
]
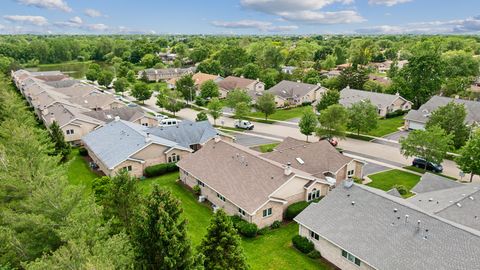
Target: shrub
[
  {"x": 262, "y": 231},
  {"x": 306, "y": 103},
  {"x": 276, "y": 224},
  {"x": 247, "y": 229},
  {"x": 197, "y": 190},
  {"x": 294, "y": 209},
  {"x": 199, "y": 101},
  {"x": 302, "y": 244},
  {"x": 160, "y": 169},
  {"x": 401, "y": 189},
  {"x": 82, "y": 151},
  {"x": 314, "y": 254},
  {"x": 395, "y": 113}
]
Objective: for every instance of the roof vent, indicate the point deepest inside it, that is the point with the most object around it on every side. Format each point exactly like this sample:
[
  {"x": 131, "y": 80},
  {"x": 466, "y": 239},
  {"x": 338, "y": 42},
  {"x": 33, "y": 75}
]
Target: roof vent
[
  {"x": 471, "y": 198},
  {"x": 300, "y": 160},
  {"x": 459, "y": 204},
  {"x": 395, "y": 210},
  {"x": 406, "y": 219},
  {"x": 288, "y": 169},
  {"x": 353, "y": 203}
]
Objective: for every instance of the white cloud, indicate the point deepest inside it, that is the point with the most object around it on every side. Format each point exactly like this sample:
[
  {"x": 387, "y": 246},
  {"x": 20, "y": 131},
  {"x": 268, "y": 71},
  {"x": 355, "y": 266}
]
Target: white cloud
[
  {"x": 90, "y": 12},
  {"x": 307, "y": 11},
  {"x": 388, "y": 3},
  {"x": 35, "y": 20},
  {"x": 99, "y": 27},
  {"x": 252, "y": 24},
  {"x": 76, "y": 20},
  {"x": 49, "y": 4}
]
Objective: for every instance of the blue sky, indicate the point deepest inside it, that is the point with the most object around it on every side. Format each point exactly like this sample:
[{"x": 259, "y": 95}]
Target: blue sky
[{"x": 240, "y": 16}]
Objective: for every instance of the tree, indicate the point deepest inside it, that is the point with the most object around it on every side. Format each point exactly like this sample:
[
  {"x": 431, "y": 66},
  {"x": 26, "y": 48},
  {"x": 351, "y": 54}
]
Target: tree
[
  {"x": 173, "y": 103},
  {"x": 431, "y": 144},
  {"x": 352, "y": 77},
  {"x": 330, "y": 97},
  {"x": 231, "y": 57},
  {"x": 131, "y": 76},
  {"x": 308, "y": 123},
  {"x": 199, "y": 54},
  {"x": 215, "y": 109},
  {"x": 451, "y": 118},
  {"x": 186, "y": 86},
  {"x": 141, "y": 91},
  {"x": 93, "y": 72},
  {"x": 210, "y": 67},
  {"x": 149, "y": 60},
  {"x": 144, "y": 77},
  {"x": 160, "y": 234},
  {"x": 363, "y": 116},
  {"x": 105, "y": 78},
  {"x": 162, "y": 98},
  {"x": 236, "y": 96},
  {"x": 209, "y": 89},
  {"x": 242, "y": 110},
  {"x": 333, "y": 122},
  {"x": 266, "y": 104},
  {"x": 62, "y": 148},
  {"x": 251, "y": 71},
  {"x": 120, "y": 85},
  {"x": 201, "y": 116},
  {"x": 221, "y": 246},
  {"x": 469, "y": 156}
]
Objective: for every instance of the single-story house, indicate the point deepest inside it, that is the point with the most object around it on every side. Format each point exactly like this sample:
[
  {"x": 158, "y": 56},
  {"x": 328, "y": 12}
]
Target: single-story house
[
  {"x": 199, "y": 78},
  {"x": 253, "y": 87},
  {"x": 295, "y": 93},
  {"x": 254, "y": 186},
  {"x": 358, "y": 227},
  {"x": 124, "y": 145},
  {"x": 417, "y": 119},
  {"x": 385, "y": 103},
  {"x": 134, "y": 115},
  {"x": 155, "y": 75},
  {"x": 319, "y": 159}
]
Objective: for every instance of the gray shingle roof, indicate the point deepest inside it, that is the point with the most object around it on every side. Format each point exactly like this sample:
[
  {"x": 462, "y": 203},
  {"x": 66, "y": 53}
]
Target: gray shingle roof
[
  {"x": 349, "y": 96},
  {"x": 394, "y": 192},
  {"x": 466, "y": 211},
  {"x": 186, "y": 133},
  {"x": 370, "y": 230},
  {"x": 125, "y": 113},
  {"x": 118, "y": 140},
  {"x": 421, "y": 115},
  {"x": 289, "y": 89},
  {"x": 432, "y": 182}
]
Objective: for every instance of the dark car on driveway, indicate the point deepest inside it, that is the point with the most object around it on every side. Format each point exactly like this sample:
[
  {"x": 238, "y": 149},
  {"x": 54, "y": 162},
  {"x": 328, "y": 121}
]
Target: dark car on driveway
[{"x": 430, "y": 166}]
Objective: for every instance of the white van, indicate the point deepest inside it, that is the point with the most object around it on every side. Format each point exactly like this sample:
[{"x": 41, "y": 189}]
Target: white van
[{"x": 168, "y": 122}]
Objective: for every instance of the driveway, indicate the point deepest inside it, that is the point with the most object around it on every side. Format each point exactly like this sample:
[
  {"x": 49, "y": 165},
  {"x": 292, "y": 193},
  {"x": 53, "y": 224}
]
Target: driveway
[
  {"x": 397, "y": 135},
  {"x": 249, "y": 141}
]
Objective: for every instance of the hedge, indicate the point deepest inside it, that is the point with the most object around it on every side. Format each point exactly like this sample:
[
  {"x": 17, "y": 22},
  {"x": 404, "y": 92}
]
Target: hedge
[
  {"x": 82, "y": 151},
  {"x": 160, "y": 169},
  {"x": 303, "y": 244},
  {"x": 295, "y": 208},
  {"x": 243, "y": 227},
  {"x": 395, "y": 113}
]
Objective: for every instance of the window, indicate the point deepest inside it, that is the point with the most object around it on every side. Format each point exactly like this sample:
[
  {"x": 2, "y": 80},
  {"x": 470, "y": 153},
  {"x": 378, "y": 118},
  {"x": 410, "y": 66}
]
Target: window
[
  {"x": 220, "y": 197},
  {"x": 127, "y": 168},
  {"x": 200, "y": 183},
  {"x": 267, "y": 212},
  {"x": 241, "y": 211},
  {"x": 314, "y": 235},
  {"x": 350, "y": 257},
  {"x": 315, "y": 194},
  {"x": 70, "y": 131},
  {"x": 350, "y": 173},
  {"x": 145, "y": 124},
  {"x": 173, "y": 158}
]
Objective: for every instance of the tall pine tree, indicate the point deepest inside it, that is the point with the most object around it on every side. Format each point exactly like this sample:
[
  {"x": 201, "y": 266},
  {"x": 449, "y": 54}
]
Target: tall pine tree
[{"x": 62, "y": 148}]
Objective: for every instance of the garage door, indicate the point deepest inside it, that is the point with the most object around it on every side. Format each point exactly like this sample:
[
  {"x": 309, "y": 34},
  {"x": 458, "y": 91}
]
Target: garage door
[{"x": 416, "y": 125}]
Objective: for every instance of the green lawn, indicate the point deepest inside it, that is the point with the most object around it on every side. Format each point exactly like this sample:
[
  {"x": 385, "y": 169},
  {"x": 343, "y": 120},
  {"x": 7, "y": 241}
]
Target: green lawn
[
  {"x": 267, "y": 147},
  {"x": 388, "y": 179},
  {"x": 270, "y": 251},
  {"x": 422, "y": 171},
  {"x": 283, "y": 114},
  {"x": 387, "y": 126}
]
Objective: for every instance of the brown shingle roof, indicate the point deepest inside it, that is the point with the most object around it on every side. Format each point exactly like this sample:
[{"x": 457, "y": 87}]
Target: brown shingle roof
[
  {"x": 232, "y": 82},
  {"x": 318, "y": 157}
]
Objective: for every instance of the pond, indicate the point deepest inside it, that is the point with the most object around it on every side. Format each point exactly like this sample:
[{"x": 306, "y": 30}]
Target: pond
[{"x": 76, "y": 70}]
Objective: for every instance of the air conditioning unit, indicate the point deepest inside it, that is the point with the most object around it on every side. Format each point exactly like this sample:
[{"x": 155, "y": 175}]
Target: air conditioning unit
[
  {"x": 215, "y": 208},
  {"x": 201, "y": 198}
]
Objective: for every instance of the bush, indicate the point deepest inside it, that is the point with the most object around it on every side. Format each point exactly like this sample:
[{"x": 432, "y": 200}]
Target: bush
[
  {"x": 395, "y": 113},
  {"x": 243, "y": 227},
  {"x": 302, "y": 244},
  {"x": 82, "y": 151},
  {"x": 262, "y": 231},
  {"x": 306, "y": 103},
  {"x": 197, "y": 190},
  {"x": 294, "y": 209},
  {"x": 401, "y": 189},
  {"x": 314, "y": 254},
  {"x": 276, "y": 224},
  {"x": 199, "y": 101},
  {"x": 160, "y": 169}
]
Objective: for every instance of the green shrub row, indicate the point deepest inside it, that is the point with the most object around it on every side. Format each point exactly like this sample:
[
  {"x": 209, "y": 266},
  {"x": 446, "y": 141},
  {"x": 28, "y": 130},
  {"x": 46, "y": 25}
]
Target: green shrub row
[
  {"x": 160, "y": 169},
  {"x": 395, "y": 113},
  {"x": 82, "y": 152},
  {"x": 303, "y": 244},
  {"x": 244, "y": 228}
]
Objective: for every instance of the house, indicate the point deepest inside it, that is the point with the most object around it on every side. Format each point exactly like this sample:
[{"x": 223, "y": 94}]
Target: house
[
  {"x": 331, "y": 73},
  {"x": 295, "y": 93},
  {"x": 385, "y": 81},
  {"x": 288, "y": 69},
  {"x": 134, "y": 115},
  {"x": 385, "y": 103},
  {"x": 319, "y": 159},
  {"x": 358, "y": 227},
  {"x": 199, "y": 78},
  {"x": 252, "y": 87},
  {"x": 384, "y": 67},
  {"x": 124, "y": 145},
  {"x": 155, "y": 75},
  {"x": 254, "y": 186},
  {"x": 417, "y": 119},
  {"x": 454, "y": 201}
]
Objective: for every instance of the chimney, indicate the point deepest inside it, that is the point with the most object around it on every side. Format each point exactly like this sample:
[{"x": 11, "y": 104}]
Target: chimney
[
  {"x": 117, "y": 118},
  {"x": 288, "y": 169},
  {"x": 148, "y": 138}
]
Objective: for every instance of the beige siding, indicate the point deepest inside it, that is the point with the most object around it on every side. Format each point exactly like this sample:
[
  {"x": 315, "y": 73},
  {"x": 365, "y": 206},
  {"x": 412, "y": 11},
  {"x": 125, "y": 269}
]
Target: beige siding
[
  {"x": 152, "y": 154},
  {"x": 137, "y": 168},
  {"x": 277, "y": 214},
  {"x": 293, "y": 187},
  {"x": 148, "y": 121},
  {"x": 81, "y": 129},
  {"x": 333, "y": 253}
]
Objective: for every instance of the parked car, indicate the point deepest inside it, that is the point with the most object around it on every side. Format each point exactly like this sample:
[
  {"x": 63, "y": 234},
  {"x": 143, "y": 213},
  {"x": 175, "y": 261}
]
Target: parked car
[
  {"x": 422, "y": 163},
  {"x": 168, "y": 122},
  {"x": 132, "y": 105},
  {"x": 332, "y": 141},
  {"x": 160, "y": 117},
  {"x": 244, "y": 124}
]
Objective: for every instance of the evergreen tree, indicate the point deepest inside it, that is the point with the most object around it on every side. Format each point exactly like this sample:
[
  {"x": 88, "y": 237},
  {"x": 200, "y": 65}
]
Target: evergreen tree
[
  {"x": 62, "y": 147},
  {"x": 160, "y": 235},
  {"x": 221, "y": 246}
]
